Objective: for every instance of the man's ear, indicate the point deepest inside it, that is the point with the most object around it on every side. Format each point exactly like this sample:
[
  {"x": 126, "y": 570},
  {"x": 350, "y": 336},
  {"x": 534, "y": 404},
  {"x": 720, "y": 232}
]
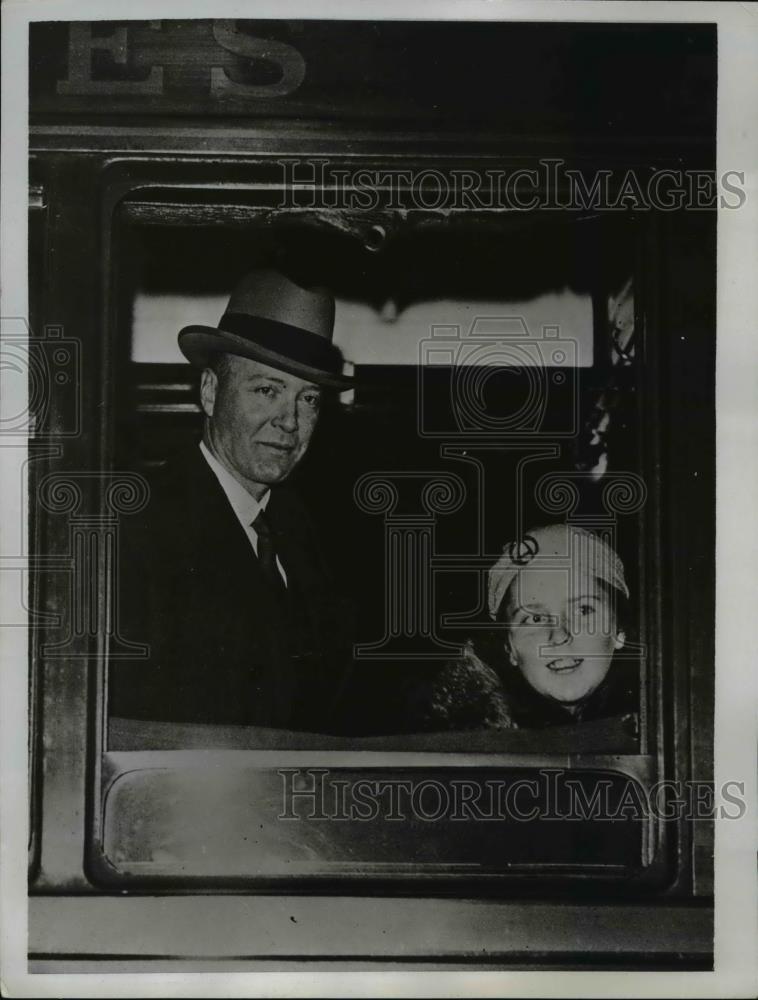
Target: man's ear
[
  {"x": 618, "y": 642},
  {"x": 208, "y": 387}
]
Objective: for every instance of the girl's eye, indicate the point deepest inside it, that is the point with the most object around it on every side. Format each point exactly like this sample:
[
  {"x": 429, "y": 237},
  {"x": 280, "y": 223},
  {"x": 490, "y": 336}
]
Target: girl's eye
[
  {"x": 585, "y": 610},
  {"x": 536, "y": 619}
]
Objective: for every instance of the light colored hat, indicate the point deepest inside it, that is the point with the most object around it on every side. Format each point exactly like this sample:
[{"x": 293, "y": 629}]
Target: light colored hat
[
  {"x": 272, "y": 320},
  {"x": 556, "y": 546}
]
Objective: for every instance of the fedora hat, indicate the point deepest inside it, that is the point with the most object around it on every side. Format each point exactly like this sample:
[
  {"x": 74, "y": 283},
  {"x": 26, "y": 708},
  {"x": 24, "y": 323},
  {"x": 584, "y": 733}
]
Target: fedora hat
[{"x": 272, "y": 320}]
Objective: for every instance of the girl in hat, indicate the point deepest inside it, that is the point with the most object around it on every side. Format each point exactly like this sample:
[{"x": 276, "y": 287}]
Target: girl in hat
[{"x": 557, "y": 599}]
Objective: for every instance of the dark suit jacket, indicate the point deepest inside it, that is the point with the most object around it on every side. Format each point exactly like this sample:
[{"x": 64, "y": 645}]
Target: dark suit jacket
[{"x": 223, "y": 648}]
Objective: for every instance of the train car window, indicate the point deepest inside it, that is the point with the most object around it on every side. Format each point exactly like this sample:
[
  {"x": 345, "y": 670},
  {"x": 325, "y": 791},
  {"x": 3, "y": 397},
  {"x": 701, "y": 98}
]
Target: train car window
[
  {"x": 579, "y": 421},
  {"x": 524, "y": 404}
]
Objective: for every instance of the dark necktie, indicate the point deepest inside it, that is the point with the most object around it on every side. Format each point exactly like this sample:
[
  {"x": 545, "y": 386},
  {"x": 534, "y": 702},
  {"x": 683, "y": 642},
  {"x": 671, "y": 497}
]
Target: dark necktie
[
  {"x": 267, "y": 553},
  {"x": 276, "y": 678}
]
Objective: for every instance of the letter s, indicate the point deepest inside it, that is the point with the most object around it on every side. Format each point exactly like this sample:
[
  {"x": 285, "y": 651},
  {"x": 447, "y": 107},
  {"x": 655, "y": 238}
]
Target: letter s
[
  {"x": 733, "y": 800},
  {"x": 738, "y": 191},
  {"x": 287, "y": 58}
]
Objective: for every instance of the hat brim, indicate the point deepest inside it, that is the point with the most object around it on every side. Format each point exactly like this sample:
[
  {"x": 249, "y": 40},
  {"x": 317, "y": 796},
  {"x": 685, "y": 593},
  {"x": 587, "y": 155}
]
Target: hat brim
[{"x": 200, "y": 344}]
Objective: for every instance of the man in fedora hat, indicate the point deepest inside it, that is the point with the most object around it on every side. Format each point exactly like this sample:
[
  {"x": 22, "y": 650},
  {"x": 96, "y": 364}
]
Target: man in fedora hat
[{"x": 223, "y": 577}]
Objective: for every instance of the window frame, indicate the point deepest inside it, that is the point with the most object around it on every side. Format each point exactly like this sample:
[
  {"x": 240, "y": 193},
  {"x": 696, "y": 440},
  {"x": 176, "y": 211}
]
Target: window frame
[{"x": 84, "y": 693}]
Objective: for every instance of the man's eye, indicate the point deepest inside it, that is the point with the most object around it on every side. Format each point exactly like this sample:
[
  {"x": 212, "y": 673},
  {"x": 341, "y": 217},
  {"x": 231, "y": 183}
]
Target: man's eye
[
  {"x": 264, "y": 390},
  {"x": 313, "y": 401}
]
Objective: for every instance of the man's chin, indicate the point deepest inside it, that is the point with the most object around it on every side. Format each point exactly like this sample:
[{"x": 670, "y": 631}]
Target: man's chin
[{"x": 270, "y": 474}]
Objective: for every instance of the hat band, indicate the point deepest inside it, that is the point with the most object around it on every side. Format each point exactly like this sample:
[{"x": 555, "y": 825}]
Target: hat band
[{"x": 281, "y": 338}]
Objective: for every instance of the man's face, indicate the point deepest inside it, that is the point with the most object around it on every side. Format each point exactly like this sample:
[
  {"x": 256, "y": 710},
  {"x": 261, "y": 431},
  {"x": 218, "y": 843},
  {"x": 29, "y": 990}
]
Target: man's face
[
  {"x": 259, "y": 420},
  {"x": 561, "y": 637}
]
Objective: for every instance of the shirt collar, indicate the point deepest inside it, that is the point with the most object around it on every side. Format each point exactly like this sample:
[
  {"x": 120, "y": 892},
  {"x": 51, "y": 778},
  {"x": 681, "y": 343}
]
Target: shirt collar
[{"x": 245, "y": 506}]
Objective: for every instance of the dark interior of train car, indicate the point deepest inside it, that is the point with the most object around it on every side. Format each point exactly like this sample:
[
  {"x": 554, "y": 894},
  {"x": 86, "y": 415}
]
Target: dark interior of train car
[{"x": 378, "y": 428}]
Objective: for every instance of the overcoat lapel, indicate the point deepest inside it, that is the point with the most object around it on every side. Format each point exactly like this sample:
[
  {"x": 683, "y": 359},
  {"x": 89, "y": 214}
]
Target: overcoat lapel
[
  {"x": 221, "y": 546},
  {"x": 224, "y": 646}
]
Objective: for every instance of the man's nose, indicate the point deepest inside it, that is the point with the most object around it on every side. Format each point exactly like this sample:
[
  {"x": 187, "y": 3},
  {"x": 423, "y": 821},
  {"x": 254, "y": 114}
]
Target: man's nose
[{"x": 286, "y": 415}]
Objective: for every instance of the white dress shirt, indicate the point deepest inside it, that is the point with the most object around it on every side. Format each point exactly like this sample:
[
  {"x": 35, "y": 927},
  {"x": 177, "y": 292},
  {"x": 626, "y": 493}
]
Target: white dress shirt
[{"x": 246, "y": 508}]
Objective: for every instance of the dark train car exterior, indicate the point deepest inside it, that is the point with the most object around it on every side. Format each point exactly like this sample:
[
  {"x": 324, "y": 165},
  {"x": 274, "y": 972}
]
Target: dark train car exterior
[{"x": 402, "y": 155}]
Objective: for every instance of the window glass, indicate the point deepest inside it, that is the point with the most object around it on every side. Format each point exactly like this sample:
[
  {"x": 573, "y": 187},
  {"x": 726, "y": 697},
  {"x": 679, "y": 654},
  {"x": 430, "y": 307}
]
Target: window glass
[
  {"x": 382, "y": 335},
  {"x": 422, "y": 476}
]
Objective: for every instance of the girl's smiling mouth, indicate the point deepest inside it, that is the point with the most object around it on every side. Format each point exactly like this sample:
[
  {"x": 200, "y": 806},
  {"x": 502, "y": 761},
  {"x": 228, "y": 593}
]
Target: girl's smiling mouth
[{"x": 564, "y": 664}]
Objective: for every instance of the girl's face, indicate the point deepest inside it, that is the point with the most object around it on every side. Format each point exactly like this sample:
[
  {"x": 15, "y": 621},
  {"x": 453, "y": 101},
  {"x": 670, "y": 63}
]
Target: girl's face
[{"x": 561, "y": 633}]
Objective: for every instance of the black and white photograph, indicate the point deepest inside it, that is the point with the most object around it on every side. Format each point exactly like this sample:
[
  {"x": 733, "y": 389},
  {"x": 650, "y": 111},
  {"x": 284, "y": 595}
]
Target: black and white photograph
[{"x": 379, "y": 476}]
